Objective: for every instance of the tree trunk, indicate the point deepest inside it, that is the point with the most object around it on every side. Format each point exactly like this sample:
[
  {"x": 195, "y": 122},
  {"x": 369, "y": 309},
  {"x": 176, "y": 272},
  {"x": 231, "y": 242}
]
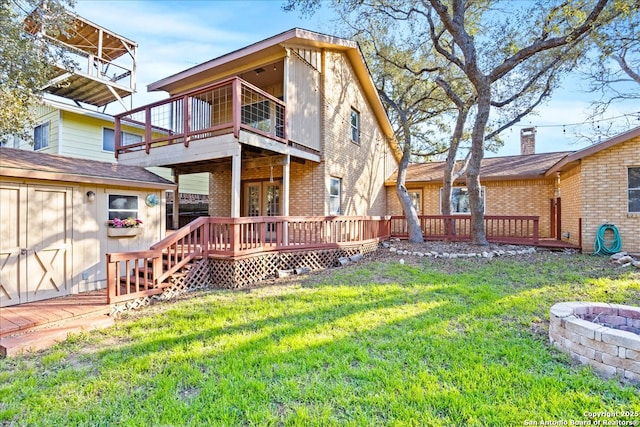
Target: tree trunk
[
  {"x": 410, "y": 214},
  {"x": 450, "y": 173},
  {"x": 478, "y": 234}
]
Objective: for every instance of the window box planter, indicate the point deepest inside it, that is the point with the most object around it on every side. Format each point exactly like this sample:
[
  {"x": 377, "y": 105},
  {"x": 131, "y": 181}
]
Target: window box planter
[{"x": 124, "y": 231}]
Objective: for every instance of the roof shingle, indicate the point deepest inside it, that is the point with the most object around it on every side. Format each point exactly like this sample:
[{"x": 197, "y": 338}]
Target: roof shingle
[
  {"x": 492, "y": 168},
  {"x": 23, "y": 163}
]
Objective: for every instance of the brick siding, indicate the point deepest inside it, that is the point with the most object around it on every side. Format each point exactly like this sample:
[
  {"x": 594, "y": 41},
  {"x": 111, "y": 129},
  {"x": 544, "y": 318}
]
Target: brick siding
[
  {"x": 361, "y": 167},
  {"x": 605, "y": 194},
  {"x": 516, "y": 197}
]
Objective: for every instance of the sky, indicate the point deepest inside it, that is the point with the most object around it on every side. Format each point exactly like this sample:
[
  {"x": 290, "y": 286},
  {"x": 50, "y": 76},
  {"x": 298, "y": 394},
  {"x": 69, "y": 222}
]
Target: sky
[{"x": 175, "y": 35}]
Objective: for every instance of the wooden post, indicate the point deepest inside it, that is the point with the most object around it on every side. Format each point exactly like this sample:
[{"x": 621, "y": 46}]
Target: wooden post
[
  {"x": 186, "y": 113},
  {"x": 112, "y": 278},
  {"x": 117, "y": 135},
  {"x": 237, "y": 106},
  {"x": 175, "y": 218},
  {"x": 236, "y": 165},
  {"x": 157, "y": 270},
  {"x": 147, "y": 129},
  {"x": 286, "y": 172},
  {"x": 559, "y": 219},
  {"x": 234, "y": 229}
]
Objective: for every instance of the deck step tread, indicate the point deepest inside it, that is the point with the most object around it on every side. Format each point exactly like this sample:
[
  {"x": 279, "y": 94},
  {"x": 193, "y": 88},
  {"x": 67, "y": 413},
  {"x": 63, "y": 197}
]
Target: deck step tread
[{"x": 44, "y": 336}]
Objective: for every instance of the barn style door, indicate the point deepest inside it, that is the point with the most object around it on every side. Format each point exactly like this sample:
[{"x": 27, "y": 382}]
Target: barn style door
[{"x": 35, "y": 243}]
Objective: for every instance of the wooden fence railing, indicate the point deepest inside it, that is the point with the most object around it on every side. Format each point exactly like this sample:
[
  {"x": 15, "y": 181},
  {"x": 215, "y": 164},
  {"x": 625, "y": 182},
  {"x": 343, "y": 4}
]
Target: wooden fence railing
[
  {"x": 499, "y": 229},
  {"x": 143, "y": 273}
]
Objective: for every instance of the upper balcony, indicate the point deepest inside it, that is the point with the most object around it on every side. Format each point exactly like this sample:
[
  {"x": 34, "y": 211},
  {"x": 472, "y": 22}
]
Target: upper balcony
[{"x": 230, "y": 108}]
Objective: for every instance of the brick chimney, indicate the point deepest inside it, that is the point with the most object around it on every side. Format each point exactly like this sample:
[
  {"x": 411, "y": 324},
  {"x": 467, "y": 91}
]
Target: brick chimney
[{"x": 527, "y": 141}]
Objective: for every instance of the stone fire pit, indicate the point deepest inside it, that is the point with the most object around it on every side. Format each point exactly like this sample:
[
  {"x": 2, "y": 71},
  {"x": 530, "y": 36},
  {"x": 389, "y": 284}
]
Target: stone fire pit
[{"x": 604, "y": 336}]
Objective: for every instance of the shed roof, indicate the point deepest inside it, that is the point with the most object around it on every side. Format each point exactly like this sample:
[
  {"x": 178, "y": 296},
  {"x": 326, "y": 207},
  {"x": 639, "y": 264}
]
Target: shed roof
[
  {"x": 531, "y": 166},
  {"x": 18, "y": 163}
]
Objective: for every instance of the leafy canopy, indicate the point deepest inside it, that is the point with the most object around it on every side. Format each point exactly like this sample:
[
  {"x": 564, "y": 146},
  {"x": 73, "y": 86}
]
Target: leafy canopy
[{"x": 26, "y": 60}]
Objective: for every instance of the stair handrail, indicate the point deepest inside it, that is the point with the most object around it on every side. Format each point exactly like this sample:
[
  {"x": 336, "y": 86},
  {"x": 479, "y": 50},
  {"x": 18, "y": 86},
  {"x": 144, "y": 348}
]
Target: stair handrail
[{"x": 198, "y": 249}]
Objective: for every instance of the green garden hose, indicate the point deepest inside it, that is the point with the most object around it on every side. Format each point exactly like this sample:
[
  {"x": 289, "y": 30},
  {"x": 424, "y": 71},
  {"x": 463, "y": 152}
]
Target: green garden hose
[{"x": 604, "y": 246}]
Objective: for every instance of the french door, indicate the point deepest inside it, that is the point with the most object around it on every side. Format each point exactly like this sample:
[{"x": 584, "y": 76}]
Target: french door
[{"x": 262, "y": 198}]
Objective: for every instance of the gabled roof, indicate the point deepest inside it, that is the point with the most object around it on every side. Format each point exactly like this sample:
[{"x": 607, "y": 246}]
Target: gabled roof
[
  {"x": 268, "y": 50},
  {"x": 531, "y": 166},
  {"x": 18, "y": 163},
  {"x": 574, "y": 157}
]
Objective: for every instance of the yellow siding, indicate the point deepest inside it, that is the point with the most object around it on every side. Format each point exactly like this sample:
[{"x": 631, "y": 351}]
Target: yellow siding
[
  {"x": 77, "y": 135},
  {"x": 45, "y": 114}
]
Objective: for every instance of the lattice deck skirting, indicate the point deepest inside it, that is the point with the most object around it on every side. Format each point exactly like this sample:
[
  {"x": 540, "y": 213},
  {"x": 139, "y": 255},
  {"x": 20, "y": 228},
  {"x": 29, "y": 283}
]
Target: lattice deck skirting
[
  {"x": 244, "y": 271},
  {"x": 241, "y": 272}
]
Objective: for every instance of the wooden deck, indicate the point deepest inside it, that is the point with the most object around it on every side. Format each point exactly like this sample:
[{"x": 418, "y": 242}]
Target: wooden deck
[{"x": 38, "y": 325}]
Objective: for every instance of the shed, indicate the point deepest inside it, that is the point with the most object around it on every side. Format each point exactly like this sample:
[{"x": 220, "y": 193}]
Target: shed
[{"x": 54, "y": 230}]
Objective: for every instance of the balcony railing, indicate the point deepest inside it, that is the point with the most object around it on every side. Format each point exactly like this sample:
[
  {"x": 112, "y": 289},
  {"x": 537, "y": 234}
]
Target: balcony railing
[{"x": 221, "y": 108}]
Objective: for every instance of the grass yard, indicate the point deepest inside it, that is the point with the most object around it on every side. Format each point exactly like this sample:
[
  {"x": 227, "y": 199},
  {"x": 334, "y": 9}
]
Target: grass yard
[{"x": 459, "y": 342}]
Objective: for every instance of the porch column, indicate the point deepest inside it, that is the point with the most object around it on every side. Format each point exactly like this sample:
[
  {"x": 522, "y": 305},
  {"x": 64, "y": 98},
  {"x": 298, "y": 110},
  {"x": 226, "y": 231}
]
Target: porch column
[
  {"x": 236, "y": 165},
  {"x": 286, "y": 168},
  {"x": 175, "y": 218}
]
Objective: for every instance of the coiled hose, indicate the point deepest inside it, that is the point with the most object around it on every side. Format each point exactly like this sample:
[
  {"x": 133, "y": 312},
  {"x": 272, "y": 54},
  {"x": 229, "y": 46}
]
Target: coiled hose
[{"x": 607, "y": 246}]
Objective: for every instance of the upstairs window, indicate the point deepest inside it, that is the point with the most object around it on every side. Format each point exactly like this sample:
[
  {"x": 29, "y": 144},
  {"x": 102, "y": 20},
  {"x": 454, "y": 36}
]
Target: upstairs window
[
  {"x": 355, "y": 126},
  {"x": 634, "y": 190},
  {"x": 334, "y": 195},
  {"x": 41, "y": 136},
  {"x": 109, "y": 138}
]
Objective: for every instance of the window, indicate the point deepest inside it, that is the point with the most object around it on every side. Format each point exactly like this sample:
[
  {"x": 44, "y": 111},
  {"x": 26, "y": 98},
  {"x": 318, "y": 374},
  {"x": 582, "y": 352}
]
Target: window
[
  {"x": 41, "y": 136},
  {"x": 334, "y": 195},
  {"x": 109, "y": 138},
  {"x": 634, "y": 190},
  {"x": 355, "y": 126},
  {"x": 460, "y": 200},
  {"x": 416, "y": 200},
  {"x": 123, "y": 207}
]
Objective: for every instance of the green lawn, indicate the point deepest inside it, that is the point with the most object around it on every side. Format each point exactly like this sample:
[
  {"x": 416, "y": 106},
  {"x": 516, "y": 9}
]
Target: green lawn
[{"x": 433, "y": 342}]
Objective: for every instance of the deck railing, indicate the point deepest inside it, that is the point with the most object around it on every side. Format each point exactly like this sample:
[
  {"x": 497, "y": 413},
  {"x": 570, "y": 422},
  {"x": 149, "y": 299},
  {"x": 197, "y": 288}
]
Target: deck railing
[
  {"x": 499, "y": 229},
  {"x": 143, "y": 273},
  {"x": 221, "y": 108}
]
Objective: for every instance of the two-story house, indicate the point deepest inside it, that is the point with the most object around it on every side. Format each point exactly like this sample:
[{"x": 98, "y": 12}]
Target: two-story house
[{"x": 291, "y": 125}]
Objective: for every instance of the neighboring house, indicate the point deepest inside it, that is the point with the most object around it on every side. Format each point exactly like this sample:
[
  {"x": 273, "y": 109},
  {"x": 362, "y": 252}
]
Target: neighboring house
[
  {"x": 104, "y": 73},
  {"x": 573, "y": 193},
  {"x": 70, "y": 130},
  {"x": 291, "y": 125},
  {"x": 53, "y": 228}
]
